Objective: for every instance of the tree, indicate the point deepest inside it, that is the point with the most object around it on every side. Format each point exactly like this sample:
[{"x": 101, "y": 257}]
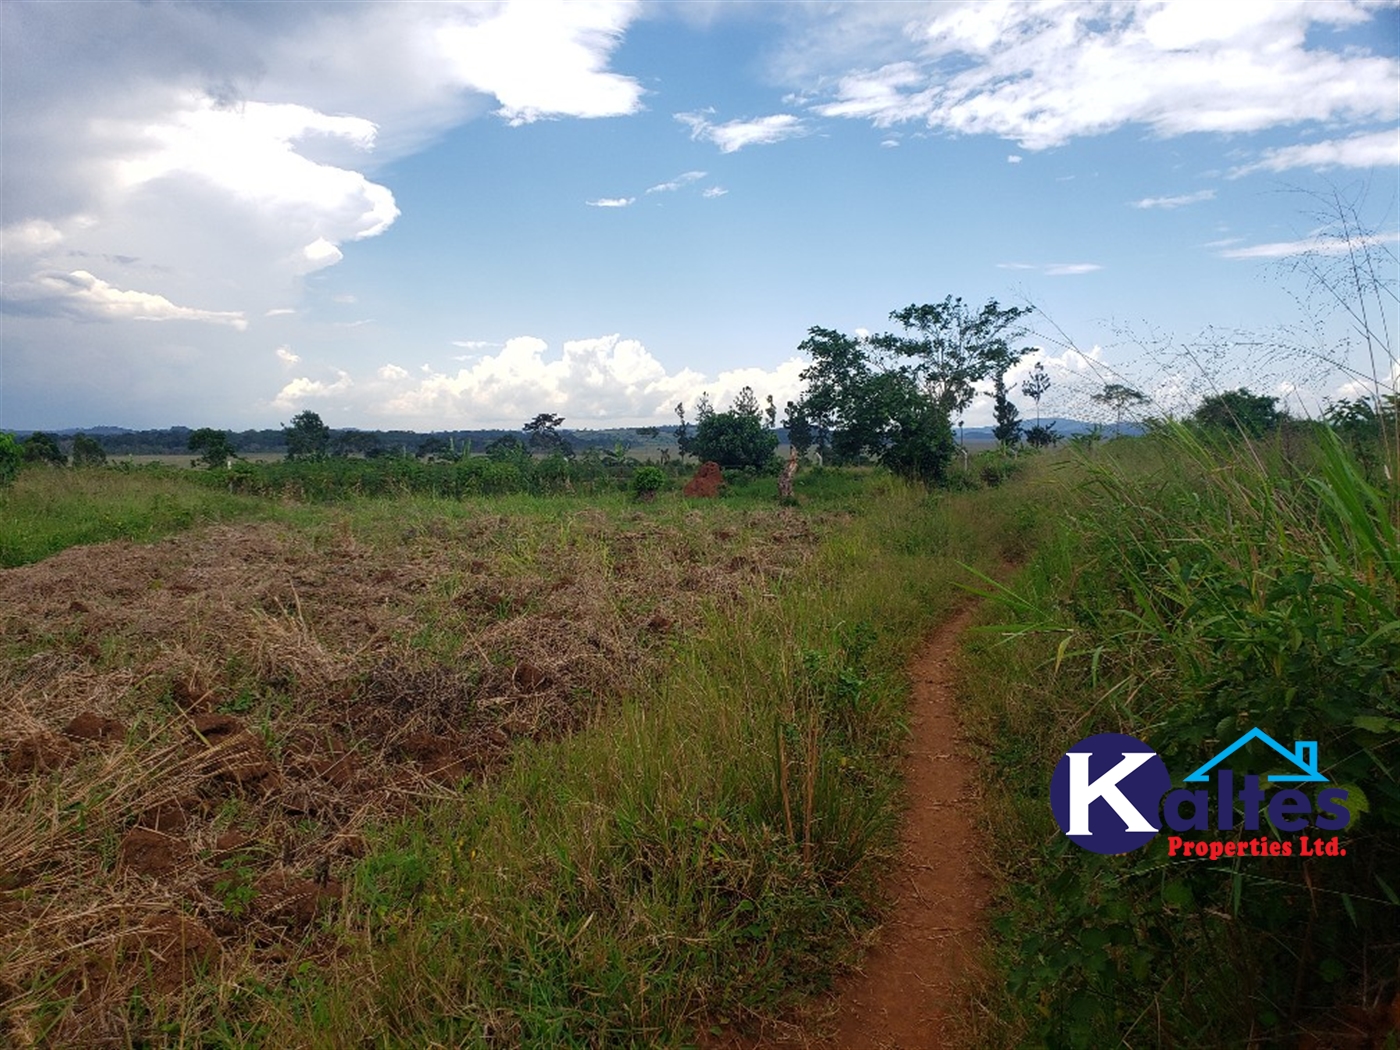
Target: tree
[
  {"x": 544, "y": 434},
  {"x": 799, "y": 427},
  {"x": 736, "y": 438},
  {"x": 87, "y": 452},
  {"x": 43, "y": 448},
  {"x": 1120, "y": 398},
  {"x": 682, "y": 431},
  {"x": 507, "y": 448},
  {"x": 307, "y": 437},
  {"x": 1040, "y": 436},
  {"x": 10, "y": 459},
  {"x": 356, "y": 442},
  {"x": 875, "y": 404},
  {"x": 213, "y": 446},
  {"x": 1036, "y": 386},
  {"x": 1254, "y": 415},
  {"x": 955, "y": 348},
  {"x": 1008, "y": 428}
]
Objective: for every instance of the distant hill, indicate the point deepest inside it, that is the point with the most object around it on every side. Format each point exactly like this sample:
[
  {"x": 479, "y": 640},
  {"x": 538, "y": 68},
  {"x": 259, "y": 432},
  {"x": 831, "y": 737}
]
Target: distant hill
[{"x": 124, "y": 441}]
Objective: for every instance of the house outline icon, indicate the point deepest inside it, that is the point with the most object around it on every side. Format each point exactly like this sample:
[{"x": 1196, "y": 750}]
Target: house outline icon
[{"x": 1303, "y": 756}]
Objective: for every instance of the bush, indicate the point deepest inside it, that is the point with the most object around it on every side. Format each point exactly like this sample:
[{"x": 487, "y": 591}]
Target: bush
[
  {"x": 10, "y": 457},
  {"x": 647, "y": 482}
]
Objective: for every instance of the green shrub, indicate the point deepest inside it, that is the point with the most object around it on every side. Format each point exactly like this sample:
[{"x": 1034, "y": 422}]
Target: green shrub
[{"x": 647, "y": 482}]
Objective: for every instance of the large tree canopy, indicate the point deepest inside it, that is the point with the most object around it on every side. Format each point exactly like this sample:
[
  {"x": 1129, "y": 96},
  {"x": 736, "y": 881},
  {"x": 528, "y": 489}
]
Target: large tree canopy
[
  {"x": 955, "y": 347},
  {"x": 892, "y": 396},
  {"x": 737, "y": 438}
]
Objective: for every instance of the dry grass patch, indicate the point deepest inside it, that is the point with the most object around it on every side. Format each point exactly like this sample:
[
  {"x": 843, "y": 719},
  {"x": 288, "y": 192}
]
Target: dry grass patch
[{"x": 200, "y": 731}]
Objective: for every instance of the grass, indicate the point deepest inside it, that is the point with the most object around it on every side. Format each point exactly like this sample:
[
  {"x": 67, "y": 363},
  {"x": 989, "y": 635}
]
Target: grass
[
  {"x": 48, "y": 510},
  {"x": 1189, "y": 592},
  {"x": 665, "y": 800}
]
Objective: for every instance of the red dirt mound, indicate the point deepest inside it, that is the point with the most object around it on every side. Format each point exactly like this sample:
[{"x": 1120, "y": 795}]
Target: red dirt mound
[{"x": 706, "y": 483}]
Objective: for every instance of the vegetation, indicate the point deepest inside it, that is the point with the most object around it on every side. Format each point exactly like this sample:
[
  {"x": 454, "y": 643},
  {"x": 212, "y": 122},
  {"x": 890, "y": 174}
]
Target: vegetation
[
  {"x": 1120, "y": 399},
  {"x": 893, "y": 396},
  {"x": 736, "y": 438},
  {"x": 690, "y": 828},
  {"x": 1240, "y": 412},
  {"x": 647, "y": 482},
  {"x": 87, "y": 452},
  {"x": 1194, "y": 591},
  {"x": 43, "y": 448},
  {"x": 308, "y": 437},
  {"x": 1036, "y": 386},
  {"x": 213, "y": 446},
  {"x": 11, "y": 456}
]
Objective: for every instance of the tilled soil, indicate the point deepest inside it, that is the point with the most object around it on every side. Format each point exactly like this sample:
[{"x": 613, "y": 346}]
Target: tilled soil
[{"x": 199, "y": 735}]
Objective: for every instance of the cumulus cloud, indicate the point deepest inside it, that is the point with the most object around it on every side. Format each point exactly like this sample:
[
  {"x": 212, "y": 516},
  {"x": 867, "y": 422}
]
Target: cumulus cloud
[
  {"x": 1013, "y": 158},
  {"x": 1380, "y": 149},
  {"x": 264, "y": 123},
  {"x": 605, "y": 381},
  {"x": 82, "y": 297},
  {"x": 611, "y": 202},
  {"x": 1175, "y": 202},
  {"x": 291, "y": 396},
  {"x": 545, "y": 59},
  {"x": 736, "y": 134},
  {"x": 1044, "y": 74},
  {"x": 285, "y": 355}
]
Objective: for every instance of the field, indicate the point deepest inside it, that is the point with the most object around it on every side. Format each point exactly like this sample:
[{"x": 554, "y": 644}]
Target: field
[
  {"x": 574, "y": 769},
  {"x": 259, "y": 754}
]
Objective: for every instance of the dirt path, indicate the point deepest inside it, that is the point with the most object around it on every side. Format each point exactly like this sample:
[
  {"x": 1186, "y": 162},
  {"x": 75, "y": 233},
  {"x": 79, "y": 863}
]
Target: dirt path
[{"x": 905, "y": 995}]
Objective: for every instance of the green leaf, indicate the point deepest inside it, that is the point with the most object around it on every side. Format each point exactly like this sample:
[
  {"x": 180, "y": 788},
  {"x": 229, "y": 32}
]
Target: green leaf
[
  {"x": 1178, "y": 895},
  {"x": 1376, "y": 724},
  {"x": 1389, "y": 893}
]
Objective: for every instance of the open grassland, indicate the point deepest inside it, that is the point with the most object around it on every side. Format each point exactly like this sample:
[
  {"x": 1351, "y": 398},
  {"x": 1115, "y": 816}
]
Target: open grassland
[
  {"x": 1188, "y": 592},
  {"x": 413, "y": 771},
  {"x": 48, "y": 510}
]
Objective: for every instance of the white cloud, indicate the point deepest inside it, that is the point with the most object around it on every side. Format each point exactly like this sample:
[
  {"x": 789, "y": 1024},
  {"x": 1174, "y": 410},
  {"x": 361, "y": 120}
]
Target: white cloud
[
  {"x": 543, "y": 59},
  {"x": 81, "y": 296},
  {"x": 611, "y": 202},
  {"x": 1013, "y": 158},
  {"x": 302, "y": 389},
  {"x": 889, "y": 143},
  {"x": 1175, "y": 202},
  {"x": 280, "y": 311},
  {"x": 1043, "y": 74},
  {"x": 1316, "y": 245},
  {"x": 711, "y": 192},
  {"x": 232, "y": 147},
  {"x": 473, "y": 344},
  {"x": 684, "y": 179},
  {"x": 285, "y": 355},
  {"x": 1053, "y": 269},
  {"x": 30, "y": 237},
  {"x": 1380, "y": 149},
  {"x": 736, "y": 134},
  {"x": 606, "y": 381}
]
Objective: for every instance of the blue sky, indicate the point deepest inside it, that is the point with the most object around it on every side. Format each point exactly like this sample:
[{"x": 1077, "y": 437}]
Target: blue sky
[{"x": 440, "y": 215}]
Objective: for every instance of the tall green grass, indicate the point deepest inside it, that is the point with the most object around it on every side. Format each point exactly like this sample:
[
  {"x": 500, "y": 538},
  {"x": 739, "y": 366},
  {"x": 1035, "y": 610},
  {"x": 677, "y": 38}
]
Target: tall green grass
[
  {"x": 1196, "y": 591},
  {"x": 48, "y": 510}
]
